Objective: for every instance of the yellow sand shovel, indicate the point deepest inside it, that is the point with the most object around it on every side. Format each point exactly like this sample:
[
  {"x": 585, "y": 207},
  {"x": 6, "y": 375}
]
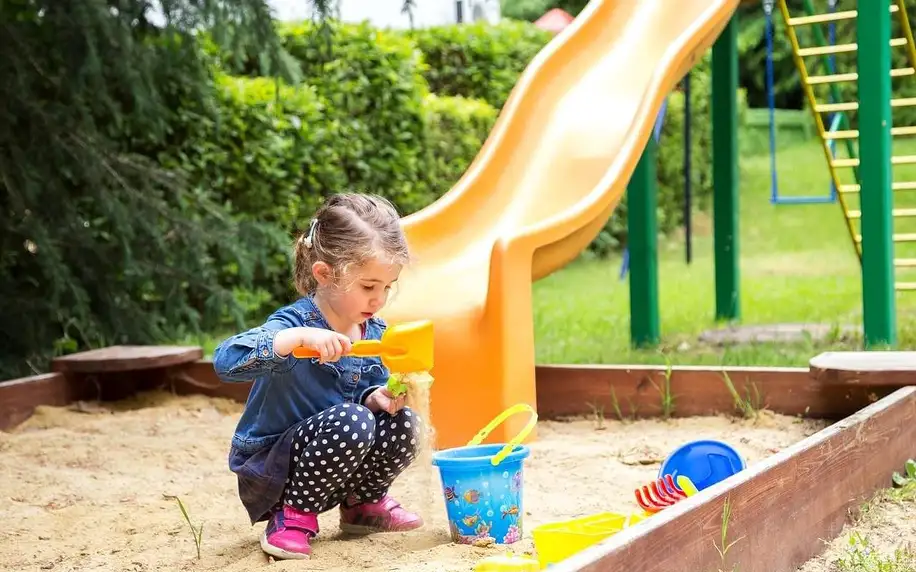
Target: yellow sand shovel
[{"x": 404, "y": 348}]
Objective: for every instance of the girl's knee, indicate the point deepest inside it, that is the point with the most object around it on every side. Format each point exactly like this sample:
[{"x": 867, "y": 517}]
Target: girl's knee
[
  {"x": 409, "y": 419},
  {"x": 400, "y": 432},
  {"x": 352, "y": 424}
]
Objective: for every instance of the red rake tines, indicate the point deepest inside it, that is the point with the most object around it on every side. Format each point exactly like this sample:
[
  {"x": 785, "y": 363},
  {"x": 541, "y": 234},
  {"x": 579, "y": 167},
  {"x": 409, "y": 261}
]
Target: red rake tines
[{"x": 659, "y": 494}]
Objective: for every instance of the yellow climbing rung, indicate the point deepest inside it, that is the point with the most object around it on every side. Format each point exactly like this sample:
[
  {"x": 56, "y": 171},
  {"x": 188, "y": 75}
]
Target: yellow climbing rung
[
  {"x": 894, "y": 212},
  {"x": 822, "y": 79},
  {"x": 845, "y": 134},
  {"x": 905, "y": 262},
  {"x": 853, "y": 133},
  {"x": 902, "y": 186},
  {"x": 903, "y": 237},
  {"x": 841, "y": 48},
  {"x": 905, "y": 286},
  {"x": 854, "y": 105},
  {"x": 830, "y": 17},
  {"x": 827, "y": 50},
  {"x": 898, "y": 160},
  {"x": 834, "y": 107}
]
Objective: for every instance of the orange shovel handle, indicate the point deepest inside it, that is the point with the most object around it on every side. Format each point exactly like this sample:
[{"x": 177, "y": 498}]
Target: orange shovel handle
[{"x": 362, "y": 348}]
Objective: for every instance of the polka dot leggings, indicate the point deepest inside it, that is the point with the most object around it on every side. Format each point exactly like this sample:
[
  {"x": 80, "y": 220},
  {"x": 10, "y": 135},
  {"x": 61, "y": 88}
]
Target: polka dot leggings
[{"x": 346, "y": 451}]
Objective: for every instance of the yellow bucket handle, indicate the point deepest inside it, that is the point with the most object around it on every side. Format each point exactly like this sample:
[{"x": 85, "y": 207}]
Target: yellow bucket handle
[{"x": 518, "y": 408}]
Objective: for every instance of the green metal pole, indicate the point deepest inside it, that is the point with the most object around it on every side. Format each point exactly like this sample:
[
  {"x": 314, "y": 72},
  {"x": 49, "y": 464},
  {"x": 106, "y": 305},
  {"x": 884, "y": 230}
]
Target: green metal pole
[
  {"x": 874, "y": 66},
  {"x": 725, "y": 171},
  {"x": 642, "y": 233}
]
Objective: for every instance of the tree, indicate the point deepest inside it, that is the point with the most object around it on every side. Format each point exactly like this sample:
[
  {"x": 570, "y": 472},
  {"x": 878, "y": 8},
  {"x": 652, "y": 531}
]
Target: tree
[{"x": 98, "y": 243}]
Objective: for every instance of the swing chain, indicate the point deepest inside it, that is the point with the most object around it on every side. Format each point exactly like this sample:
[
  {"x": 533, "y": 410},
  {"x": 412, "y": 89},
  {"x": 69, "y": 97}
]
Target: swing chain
[{"x": 768, "y": 6}]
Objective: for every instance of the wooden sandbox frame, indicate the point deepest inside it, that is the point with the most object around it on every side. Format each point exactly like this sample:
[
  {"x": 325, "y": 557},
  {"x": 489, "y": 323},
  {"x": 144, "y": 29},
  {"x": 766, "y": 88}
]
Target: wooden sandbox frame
[{"x": 782, "y": 509}]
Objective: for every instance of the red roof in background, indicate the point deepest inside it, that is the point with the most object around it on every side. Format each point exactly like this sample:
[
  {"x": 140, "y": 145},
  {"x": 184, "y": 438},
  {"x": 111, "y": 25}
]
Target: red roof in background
[{"x": 554, "y": 20}]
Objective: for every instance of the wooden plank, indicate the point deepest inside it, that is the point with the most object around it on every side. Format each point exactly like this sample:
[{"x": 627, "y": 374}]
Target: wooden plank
[
  {"x": 20, "y": 397},
  {"x": 781, "y": 508},
  {"x": 567, "y": 390},
  {"x": 200, "y": 378},
  {"x": 563, "y": 390},
  {"x": 126, "y": 358},
  {"x": 865, "y": 368}
]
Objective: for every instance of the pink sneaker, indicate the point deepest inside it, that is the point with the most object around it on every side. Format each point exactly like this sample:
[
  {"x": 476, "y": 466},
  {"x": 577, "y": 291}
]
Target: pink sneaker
[
  {"x": 288, "y": 532},
  {"x": 386, "y": 515}
]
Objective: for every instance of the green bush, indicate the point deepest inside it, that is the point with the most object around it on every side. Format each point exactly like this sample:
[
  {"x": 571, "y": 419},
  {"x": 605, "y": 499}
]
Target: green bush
[
  {"x": 267, "y": 152},
  {"x": 458, "y": 127},
  {"x": 372, "y": 81},
  {"x": 273, "y": 152},
  {"x": 478, "y": 60}
]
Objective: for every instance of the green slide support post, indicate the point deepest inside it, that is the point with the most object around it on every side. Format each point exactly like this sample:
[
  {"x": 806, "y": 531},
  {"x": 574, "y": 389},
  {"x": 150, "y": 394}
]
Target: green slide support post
[
  {"x": 642, "y": 240},
  {"x": 725, "y": 171},
  {"x": 874, "y": 84}
]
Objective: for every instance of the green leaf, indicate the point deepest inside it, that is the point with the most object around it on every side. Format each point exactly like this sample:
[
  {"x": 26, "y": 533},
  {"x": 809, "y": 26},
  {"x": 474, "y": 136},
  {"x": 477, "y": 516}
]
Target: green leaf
[{"x": 396, "y": 385}]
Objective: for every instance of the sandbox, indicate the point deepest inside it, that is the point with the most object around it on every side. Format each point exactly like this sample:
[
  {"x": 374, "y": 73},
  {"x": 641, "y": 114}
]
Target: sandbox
[{"x": 92, "y": 483}]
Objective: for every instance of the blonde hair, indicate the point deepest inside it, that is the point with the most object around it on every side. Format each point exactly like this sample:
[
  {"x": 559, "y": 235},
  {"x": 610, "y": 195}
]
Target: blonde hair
[{"x": 346, "y": 231}]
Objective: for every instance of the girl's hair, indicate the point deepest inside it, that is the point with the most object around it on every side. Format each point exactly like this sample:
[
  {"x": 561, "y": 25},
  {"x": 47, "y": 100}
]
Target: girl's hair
[{"x": 348, "y": 230}]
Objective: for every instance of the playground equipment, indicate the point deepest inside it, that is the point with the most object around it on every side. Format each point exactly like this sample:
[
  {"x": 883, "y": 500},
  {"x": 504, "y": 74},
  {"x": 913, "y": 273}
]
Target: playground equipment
[
  {"x": 555, "y": 165},
  {"x": 571, "y": 138},
  {"x": 835, "y": 118},
  {"x": 869, "y": 162}
]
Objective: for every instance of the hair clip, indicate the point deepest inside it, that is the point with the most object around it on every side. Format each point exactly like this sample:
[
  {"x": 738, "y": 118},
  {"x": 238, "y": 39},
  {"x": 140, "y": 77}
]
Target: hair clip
[{"x": 308, "y": 238}]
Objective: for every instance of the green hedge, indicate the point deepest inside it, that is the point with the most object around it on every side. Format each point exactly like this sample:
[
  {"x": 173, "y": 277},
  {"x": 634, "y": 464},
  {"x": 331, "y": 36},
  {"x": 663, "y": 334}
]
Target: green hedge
[
  {"x": 457, "y": 128},
  {"x": 363, "y": 120},
  {"x": 478, "y": 60},
  {"x": 373, "y": 83}
]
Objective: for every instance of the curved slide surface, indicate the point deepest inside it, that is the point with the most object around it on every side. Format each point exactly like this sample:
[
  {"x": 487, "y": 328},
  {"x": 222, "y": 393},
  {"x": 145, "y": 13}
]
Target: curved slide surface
[{"x": 542, "y": 186}]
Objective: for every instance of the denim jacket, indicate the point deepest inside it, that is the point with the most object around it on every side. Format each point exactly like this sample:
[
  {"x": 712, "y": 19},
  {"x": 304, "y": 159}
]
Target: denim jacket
[{"x": 288, "y": 390}]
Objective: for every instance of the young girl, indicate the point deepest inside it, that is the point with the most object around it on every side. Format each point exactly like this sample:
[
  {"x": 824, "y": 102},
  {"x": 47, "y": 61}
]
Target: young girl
[{"x": 321, "y": 432}]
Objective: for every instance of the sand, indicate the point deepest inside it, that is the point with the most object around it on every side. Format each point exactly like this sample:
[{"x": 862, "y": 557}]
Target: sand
[{"x": 90, "y": 487}]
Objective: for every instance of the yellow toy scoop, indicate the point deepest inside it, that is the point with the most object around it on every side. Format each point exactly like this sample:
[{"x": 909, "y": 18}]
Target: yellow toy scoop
[{"x": 404, "y": 348}]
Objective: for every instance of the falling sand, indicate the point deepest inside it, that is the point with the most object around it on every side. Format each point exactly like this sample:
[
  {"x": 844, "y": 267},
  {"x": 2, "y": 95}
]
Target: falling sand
[{"x": 90, "y": 487}]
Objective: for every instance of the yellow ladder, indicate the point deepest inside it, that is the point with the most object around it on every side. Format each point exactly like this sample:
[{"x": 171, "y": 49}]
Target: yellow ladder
[{"x": 844, "y": 170}]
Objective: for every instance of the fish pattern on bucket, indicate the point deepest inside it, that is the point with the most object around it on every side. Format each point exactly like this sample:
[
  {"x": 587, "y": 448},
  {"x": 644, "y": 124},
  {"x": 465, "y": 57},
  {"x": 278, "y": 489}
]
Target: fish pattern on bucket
[{"x": 485, "y": 510}]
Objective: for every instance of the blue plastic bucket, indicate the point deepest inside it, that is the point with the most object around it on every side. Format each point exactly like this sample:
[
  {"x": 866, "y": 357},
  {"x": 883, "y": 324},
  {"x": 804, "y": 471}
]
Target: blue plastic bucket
[{"x": 483, "y": 485}]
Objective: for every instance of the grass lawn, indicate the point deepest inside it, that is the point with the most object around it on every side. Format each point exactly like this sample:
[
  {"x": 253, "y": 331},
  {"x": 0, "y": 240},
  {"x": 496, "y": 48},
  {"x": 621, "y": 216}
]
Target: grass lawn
[{"x": 797, "y": 265}]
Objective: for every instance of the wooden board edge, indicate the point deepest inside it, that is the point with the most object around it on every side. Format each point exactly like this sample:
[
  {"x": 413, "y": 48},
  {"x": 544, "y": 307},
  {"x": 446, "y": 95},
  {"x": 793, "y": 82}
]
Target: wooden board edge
[
  {"x": 891, "y": 372},
  {"x": 781, "y": 509},
  {"x": 562, "y": 390},
  {"x": 638, "y": 391},
  {"x": 181, "y": 355},
  {"x": 19, "y": 397}
]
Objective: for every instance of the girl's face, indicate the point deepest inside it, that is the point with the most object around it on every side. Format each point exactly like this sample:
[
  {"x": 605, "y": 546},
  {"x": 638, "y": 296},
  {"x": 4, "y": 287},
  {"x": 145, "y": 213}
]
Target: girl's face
[{"x": 361, "y": 292}]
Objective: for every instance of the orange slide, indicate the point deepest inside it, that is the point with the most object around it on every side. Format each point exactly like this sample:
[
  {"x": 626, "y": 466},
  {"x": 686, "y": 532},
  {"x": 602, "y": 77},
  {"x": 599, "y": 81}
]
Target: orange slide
[{"x": 548, "y": 177}]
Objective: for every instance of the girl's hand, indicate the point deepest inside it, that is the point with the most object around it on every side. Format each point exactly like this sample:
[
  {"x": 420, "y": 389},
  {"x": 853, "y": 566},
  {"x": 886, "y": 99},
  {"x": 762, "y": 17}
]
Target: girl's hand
[
  {"x": 329, "y": 344},
  {"x": 383, "y": 400}
]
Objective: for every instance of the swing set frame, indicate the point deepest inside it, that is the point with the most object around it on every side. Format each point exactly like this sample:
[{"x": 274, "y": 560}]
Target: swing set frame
[{"x": 835, "y": 118}]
